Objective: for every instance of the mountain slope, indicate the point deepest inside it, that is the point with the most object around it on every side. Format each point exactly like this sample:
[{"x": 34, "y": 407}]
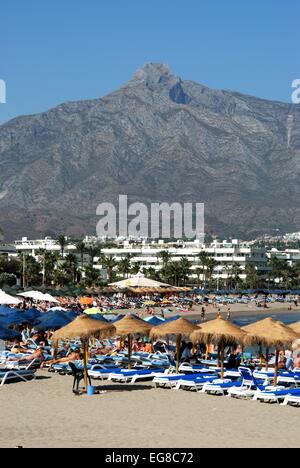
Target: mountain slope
[{"x": 157, "y": 138}]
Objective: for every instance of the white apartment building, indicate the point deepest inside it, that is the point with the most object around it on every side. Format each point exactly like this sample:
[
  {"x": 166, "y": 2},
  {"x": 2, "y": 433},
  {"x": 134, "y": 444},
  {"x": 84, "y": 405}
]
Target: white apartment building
[
  {"x": 225, "y": 253},
  {"x": 291, "y": 256},
  {"x": 31, "y": 247},
  {"x": 145, "y": 253}
]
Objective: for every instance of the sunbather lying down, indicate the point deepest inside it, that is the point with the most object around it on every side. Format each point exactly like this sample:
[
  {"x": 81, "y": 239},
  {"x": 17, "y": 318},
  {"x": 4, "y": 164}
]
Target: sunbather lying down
[
  {"x": 105, "y": 351},
  {"x": 75, "y": 356},
  {"x": 37, "y": 354}
]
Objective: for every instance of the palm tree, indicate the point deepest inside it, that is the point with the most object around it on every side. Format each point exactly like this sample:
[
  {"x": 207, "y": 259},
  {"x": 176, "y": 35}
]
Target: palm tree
[
  {"x": 49, "y": 260},
  {"x": 235, "y": 273},
  {"x": 278, "y": 268},
  {"x": 151, "y": 273},
  {"x": 61, "y": 277},
  {"x": 185, "y": 268},
  {"x": 124, "y": 265},
  {"x": 296, "y": 274},
  {"x": 109, "y": 262},
  {"x": 166, "y": 257},
  {"x": 204, "y": 259},
  {"x": 198, "y": 272},
  {"x": 91, "y": 276},
  {"x": 136, "y": 268},
  {"x": 70, "y": 267},
  {"x": 81, "y": 249},
  {"x": 32, "y": 273},
  {"x": 252, "y": 276},
  {"x": 93, "y": 251},
  {"x": 211, "y": 266},
  {"x": 63, "y": 243},
  {"x": 173, "y": 273}
]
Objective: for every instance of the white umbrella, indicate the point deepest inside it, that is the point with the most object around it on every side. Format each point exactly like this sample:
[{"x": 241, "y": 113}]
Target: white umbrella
[
  {"x": 35, "y": 295},
  {"x": 6, "y": 299},
  {"x": 139, "y": 281},
  {"x": 49, "y": 298}
]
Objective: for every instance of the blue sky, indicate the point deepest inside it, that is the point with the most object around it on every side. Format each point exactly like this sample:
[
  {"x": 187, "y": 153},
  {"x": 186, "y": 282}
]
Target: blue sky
[{"x": 52, "y": 51}]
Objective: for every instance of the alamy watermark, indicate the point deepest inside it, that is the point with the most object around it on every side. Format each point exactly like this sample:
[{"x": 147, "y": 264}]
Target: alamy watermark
[
  {"x": 2, "y": 92},
  {"x": 155, "y": 221},
  {"x": 296, "y": 92}
]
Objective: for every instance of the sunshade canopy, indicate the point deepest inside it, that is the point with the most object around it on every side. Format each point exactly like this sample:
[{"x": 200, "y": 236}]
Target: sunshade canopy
[
  {"x": 6, "y": 299},
  {"x": 139, "y": 281},
  {"x": 219, "y": 331},
  {"x": 180, "y": 326},
  {"x": 131, "y": 325},
  {"x": 84, "y": 327},
  {"x": 270, "y": 333}
]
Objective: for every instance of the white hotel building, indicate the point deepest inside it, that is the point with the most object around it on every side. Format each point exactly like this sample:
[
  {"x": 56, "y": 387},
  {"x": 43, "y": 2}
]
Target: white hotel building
[{"x": 146, "y": 253}]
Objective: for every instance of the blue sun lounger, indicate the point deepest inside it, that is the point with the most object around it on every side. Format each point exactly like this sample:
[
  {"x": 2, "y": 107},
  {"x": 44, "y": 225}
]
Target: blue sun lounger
[
  {"x": 194, "y": 369},
  {"x": 195, "y": 383},
  {"x": 291, "y": 400},
  {"x": 171, "y": 381},
  {"x": 102, "y": 373},
  {"x": 220, "y": 387},
  {"x": 276, "y": 395},
  {"x": 250, "y": 386},
  {"x": 8, "y": 376},
  {"x": 135, "y": 375}
]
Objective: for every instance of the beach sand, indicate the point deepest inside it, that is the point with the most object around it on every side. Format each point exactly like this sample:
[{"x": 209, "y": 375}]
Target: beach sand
[
  {"x": 237, "y": 310},
  {"x": 45, "y": 413}
]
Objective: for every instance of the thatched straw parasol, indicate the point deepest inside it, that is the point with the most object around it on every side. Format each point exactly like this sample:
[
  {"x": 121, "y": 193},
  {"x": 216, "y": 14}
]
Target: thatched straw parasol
[
  {"x": 131, "y": 326},
  {"x": 84, "y": 328},
  {"x": 296, "y": 345},
  {"x": 296, "y": 327},
  {"x": 180, "y": 328},
  {"x": 272, "y": 334},
  {"x": 221, "y": 333}
]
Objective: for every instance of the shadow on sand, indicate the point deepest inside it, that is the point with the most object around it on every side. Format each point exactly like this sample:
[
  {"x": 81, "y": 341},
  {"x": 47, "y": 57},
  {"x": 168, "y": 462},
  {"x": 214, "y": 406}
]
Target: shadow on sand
[{"x": 122, "y": 388}]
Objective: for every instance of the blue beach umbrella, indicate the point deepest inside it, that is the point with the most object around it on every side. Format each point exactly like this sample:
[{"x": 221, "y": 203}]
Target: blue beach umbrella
[
  {"x": 172, "y": 319},
  {"x": 155, "y": 321},
  {"x": 17, "y": 317},
  {"x": 8, "y": 335},
  {"x": 4, "y": 310},
  {"x": 33, "y": 314},
  {"x": 54, "y": 320},
  {"x": 100, "y": 318}
]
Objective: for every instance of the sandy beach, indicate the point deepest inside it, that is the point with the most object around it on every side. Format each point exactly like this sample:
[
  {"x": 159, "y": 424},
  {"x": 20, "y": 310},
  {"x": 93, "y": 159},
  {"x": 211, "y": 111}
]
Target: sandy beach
[
  {"x": 237, "y": 310},
  {"x": 44, "y": 413}
]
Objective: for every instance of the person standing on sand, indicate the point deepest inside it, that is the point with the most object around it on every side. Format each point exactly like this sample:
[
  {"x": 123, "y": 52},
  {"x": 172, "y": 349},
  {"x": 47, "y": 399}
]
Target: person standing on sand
[
  {"x": 297, "y": 362},
  {"x": 229, "y": 314}
]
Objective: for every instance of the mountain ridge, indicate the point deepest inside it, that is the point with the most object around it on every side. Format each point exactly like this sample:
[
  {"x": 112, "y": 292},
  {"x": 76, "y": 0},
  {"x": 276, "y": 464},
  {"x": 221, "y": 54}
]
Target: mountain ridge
[{"x": 157, "y": 138}]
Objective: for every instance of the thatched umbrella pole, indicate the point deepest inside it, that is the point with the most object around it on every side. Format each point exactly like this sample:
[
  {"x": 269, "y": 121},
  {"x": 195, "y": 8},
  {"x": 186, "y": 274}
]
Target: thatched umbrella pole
[
  {"x": 129, "y": 327},
  {"x": 222, "y": 358},
  {"x": 272, "y": 334},
  {"x": 276, "y": 367},
  {"x": 84, "y": 328},
  {"x": 129, "y": 351},
  {"x": 178, "y": 328},
  {"x": 243, "y": 354},
  {"x": 178, "y": 349},
  {"x": 267, "y": 357},
  {"x": 85, "y": 362},
  {"x": 221, "y": 333}
]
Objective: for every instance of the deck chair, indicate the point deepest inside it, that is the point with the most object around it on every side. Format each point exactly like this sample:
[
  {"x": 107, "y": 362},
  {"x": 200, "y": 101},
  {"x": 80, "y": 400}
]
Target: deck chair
[{"x": 78, "y": 375}]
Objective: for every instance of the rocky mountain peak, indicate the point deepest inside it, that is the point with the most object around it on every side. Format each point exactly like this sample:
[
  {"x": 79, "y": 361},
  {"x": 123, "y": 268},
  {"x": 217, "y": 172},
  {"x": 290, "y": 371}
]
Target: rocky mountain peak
[
  {"x": 154, "y": 73},
  {"x": 161, "y": 140}
]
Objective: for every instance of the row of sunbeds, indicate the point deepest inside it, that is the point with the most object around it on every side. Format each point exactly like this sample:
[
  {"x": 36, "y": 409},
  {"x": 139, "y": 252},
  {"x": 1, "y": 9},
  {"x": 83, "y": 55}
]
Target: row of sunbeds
[{"x": 248, "y": 385}]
